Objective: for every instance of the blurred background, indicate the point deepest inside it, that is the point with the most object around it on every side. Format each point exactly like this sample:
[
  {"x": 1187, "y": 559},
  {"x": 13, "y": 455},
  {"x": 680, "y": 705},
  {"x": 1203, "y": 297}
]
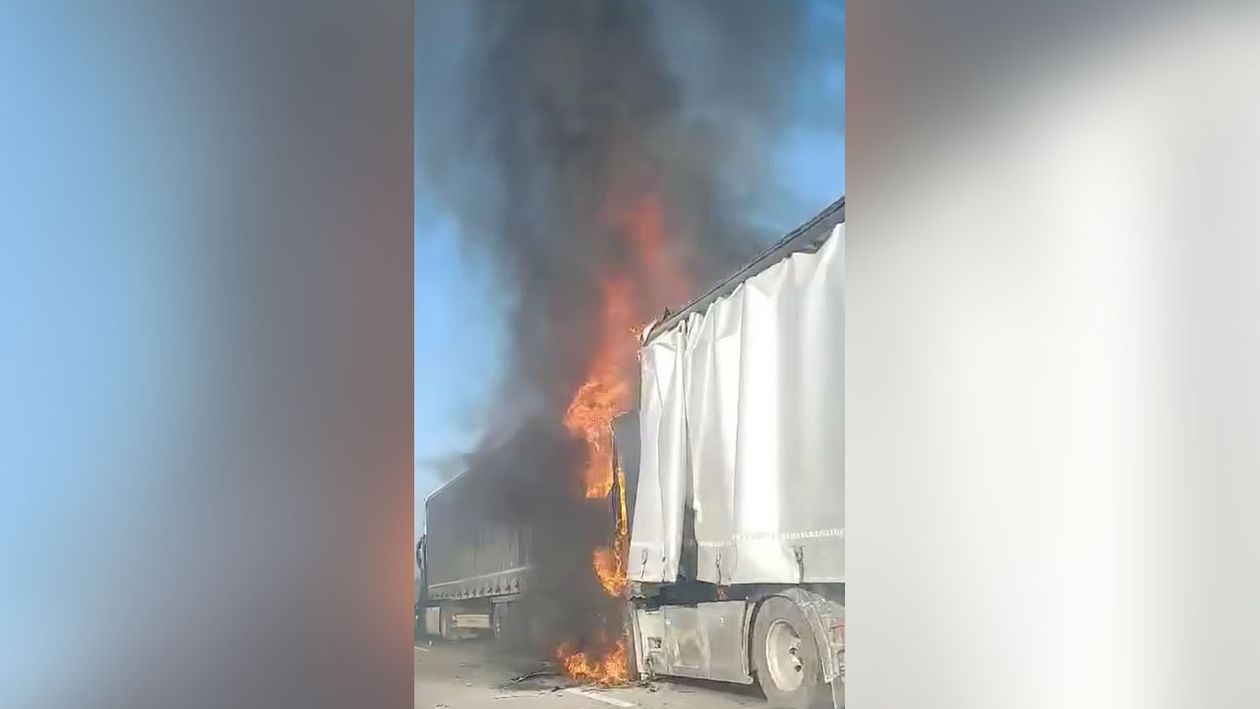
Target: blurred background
[
  {"x": 205, "y": 437},
  {"x": 1050, "y": 337}
]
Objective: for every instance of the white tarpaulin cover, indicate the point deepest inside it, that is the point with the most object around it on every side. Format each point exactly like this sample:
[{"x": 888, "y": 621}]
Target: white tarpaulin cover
[
  {"x": 657, "y": 523},
  {"x": 742, "y": 418}
]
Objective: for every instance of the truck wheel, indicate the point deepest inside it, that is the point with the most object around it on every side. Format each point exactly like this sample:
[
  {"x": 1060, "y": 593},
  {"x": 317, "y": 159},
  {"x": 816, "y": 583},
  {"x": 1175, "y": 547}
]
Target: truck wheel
[
  {"x": 503, "y": 621},
  {"x": 445, "y": 624},
  {"x": 785, "y": 656}
]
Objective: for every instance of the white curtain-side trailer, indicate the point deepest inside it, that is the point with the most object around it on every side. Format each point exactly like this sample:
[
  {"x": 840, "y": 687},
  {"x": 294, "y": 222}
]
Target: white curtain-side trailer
[{"x": 734, "y": 469}]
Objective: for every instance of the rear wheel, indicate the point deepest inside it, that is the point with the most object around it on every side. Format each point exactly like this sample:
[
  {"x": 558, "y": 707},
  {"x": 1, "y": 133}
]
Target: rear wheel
[
  {"x": 446, "y": 623},
  {"x": 498, "y": 623},
  {"x": 785, "y": 656}
]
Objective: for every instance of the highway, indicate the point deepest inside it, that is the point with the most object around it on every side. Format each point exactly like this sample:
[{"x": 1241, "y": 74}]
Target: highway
[{"x": 475, "y": 675}]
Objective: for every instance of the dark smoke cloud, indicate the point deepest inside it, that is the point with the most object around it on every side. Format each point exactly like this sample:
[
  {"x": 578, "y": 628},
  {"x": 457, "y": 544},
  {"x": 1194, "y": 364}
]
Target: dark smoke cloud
[
  {"x": 533, "y": 118},
  {"x": 529, "y": 113},
  {"x": 445, "y": 466}
]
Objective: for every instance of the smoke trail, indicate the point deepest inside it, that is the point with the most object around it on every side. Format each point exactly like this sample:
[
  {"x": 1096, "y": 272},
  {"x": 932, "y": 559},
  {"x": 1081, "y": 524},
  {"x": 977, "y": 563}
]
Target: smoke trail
[{"x": 541, "y": 125}]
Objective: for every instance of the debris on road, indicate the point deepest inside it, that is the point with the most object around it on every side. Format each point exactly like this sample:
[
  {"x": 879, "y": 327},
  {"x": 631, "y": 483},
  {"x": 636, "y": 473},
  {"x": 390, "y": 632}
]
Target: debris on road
[{"x": 536, "y": 673}]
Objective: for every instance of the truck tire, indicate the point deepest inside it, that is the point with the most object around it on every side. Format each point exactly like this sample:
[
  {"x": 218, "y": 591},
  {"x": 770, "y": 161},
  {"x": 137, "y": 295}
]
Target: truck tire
[
  {"x": 445, "y": 624},
  {"x": 785, "y": 657},
  {"x": 497, "y": 630}
]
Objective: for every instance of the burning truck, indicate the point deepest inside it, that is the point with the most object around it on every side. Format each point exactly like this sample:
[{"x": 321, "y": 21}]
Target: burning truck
[{"x": 724, "y": 489}]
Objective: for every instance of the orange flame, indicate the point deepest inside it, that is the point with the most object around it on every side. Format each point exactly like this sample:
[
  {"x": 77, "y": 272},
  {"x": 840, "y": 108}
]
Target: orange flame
[
  {"x": 611, "y": 668},
  {"x": 610, "y": 562},
  {"x": 606, "y": 391},
  {"x": 642, "y": 218},
  {"x": 608, "y": 568}
]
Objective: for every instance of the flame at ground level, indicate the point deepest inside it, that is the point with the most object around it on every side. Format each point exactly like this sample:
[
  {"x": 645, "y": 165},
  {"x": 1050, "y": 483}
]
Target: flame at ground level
[
  {"x": 628, "y": 293},
  {"x": 611, "y": 668}
]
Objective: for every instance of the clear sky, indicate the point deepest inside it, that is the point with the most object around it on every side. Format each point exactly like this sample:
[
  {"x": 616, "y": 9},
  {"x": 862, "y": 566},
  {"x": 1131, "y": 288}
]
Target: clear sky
[
  {"x": 100, "y": 334},
  {"x": 460, "y": 316},
  {"x": 459, "y": 341}
]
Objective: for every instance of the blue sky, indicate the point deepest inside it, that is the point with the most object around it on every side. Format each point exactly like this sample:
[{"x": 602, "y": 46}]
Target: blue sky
[
  {"x": 459, "y": 344},
  {"x": 460, "y": 315},
  {"x": 95, "y": 301}
]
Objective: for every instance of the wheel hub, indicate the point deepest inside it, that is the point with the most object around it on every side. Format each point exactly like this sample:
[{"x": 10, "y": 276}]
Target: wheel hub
[{"x": 783, "y": 656}]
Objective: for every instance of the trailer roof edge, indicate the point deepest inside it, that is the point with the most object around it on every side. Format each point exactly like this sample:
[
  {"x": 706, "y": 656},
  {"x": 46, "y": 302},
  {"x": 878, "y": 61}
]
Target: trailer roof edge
[
  {"x": 807, "y": 237},
  {"x": 445, "y": 484}
]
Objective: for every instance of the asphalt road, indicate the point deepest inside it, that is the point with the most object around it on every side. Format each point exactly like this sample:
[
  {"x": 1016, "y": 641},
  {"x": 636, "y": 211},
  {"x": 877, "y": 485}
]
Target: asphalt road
[{"x": 474, "y": 675}]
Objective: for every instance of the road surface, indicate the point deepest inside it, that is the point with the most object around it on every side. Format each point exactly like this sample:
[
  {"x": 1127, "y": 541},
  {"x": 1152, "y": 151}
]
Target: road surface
[{"x": 472, "y": 675}]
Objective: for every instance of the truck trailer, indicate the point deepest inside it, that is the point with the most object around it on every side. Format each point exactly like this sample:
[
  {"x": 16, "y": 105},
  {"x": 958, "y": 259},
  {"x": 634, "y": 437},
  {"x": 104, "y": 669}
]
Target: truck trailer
[
  {"x": 473, "y": 566},
  {"x": 733, "y": 468}
]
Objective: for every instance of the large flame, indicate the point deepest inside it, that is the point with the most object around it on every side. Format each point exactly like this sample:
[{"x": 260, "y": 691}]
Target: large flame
[
  {"x": 609, "y": 562},
  {"x": 607, "y": 391}
]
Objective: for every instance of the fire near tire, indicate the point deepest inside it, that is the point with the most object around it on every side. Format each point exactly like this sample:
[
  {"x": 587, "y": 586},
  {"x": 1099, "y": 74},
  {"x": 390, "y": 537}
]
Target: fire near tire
[{"x": 785, "y": 657}]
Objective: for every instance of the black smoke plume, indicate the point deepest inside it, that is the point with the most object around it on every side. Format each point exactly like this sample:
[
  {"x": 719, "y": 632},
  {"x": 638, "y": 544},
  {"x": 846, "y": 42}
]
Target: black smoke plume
[{"x": 536, "y": 121}]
